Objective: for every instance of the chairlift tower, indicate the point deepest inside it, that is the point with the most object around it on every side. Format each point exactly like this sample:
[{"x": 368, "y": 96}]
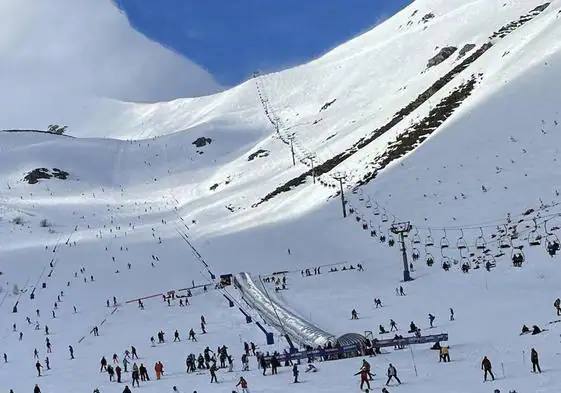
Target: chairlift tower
[
  {"x": 341, "y": 177},
  {"x": 291, "y": 138},
  {"x": 401, "y": 229},
  {"x": 312, "y": 157}
]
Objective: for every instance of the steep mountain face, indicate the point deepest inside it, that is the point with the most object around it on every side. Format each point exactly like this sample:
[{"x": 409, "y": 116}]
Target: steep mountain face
[
  {"x": 396, "y": 90},
  {"x": 445, "y": 116}
]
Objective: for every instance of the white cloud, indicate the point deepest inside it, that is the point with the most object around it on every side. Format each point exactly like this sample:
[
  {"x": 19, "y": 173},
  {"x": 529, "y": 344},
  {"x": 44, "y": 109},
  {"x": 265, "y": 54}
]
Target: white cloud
[{"x": 57, "y": 55}]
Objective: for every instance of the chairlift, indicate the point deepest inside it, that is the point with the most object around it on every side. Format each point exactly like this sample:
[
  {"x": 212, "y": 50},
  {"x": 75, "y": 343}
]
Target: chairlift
[
  {"x": 429, "y": 241},
  {"x": 461, "y": 243},
  {"x": 376, "y": 210},
  {"x": 364, "y": 225},
  {"x": 480, "y": 242},
  {"x": 357, "y": 218},
  {"x": 384, "y": 217},
  {"x": 444, "y": 243},
  {"x": 535, "y": 238},
  {"x": 382, "y": 235},
  {"x": 416, "y": 238},
  {"x": 368, "y": 203},
  {"x": 505, "y": 242},
  {"x": 446, "y": 263},
  {"x": 415, "y": 254},
  {"x": 391, "y": 241},
  {"x": 551, "y": 242},
  {"x": 430, "y": 259},
  {"x": 517, "y": 257}
]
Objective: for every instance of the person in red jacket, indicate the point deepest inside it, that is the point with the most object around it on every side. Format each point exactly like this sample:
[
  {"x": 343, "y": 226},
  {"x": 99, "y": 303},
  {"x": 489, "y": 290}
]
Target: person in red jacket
[{"x": 364, "y": 376}]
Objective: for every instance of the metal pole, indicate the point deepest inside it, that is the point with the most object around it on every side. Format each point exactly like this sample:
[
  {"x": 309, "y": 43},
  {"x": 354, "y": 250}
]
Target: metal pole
[
  {"x": 406, "y": 274},
  {"x": 292, "y": 151},
  {"x": 340, "y": 178}
]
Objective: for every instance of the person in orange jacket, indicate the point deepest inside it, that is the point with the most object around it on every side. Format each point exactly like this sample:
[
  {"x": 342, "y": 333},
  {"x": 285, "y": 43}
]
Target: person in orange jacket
[{"x": 159, "y": 369}]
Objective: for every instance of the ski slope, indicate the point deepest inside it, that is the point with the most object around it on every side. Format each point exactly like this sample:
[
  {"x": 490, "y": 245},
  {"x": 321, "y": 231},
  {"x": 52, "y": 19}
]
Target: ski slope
[{"x": 474, "y": 159}]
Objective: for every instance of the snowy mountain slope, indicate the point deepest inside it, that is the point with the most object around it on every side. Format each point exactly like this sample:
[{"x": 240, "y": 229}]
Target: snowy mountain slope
[{"x": 490, "y": 137}]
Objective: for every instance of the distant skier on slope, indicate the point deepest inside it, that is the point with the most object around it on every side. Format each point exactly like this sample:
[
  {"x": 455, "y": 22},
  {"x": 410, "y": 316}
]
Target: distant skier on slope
[{"x": 486, "y": 367}]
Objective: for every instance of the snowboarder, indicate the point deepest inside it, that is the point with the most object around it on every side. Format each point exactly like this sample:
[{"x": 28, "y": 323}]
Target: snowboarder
[
  {"x": 486, "y": 367},
  {"x": 354, "y": 314},
  {"x": 535, "y": 361},
  {"x": 392, "y": 373}
]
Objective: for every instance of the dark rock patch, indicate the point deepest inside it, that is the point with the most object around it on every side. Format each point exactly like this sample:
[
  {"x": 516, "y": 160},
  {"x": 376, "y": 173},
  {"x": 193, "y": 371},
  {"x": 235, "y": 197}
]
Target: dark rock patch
[
  {"x": 444, "y": 54},
  {"x": 464, "y": 51},
  {"x": 327, "y": 105},
  {"x": 37, "y": 174},
  {"x": 202, "y": 141},
  {"x": 258, "y": 154}
]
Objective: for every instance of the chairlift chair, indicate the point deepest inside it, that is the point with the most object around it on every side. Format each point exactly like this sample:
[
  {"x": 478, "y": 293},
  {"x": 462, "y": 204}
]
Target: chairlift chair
[
  {"x": 429, "y": 259},
  {"x": 461, "y": 243},
  {"x": 517, "y": 257},
  {"x": 534, "y": 237},
  {"x": 480, "y": 242},
  {"x": 384, "y": 217},
  {"x": 551, "y": 242},
  {"x": 368, "y": 203},
  {"x": 444, "y": 243},
  {"x": 415, "y": 254},
  {"x": 505, "y": 242},
  {"x": 391, "y": 241},
  {"x": 376, "y": 210},
  {"x": 429, "y": 241}
]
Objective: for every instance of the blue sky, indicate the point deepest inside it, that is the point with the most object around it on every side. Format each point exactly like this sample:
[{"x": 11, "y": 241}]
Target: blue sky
[{"x": 233, "y": 38}]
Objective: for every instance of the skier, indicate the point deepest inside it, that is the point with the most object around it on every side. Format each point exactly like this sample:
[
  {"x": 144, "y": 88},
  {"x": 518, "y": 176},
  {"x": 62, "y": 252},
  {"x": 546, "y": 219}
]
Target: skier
[
  {"x": 71, "y": 350},
  {"x": 125, "y": 364},
  {"x": 242, "y": 383},
  {"x": 535, "y": 361},
  {"x": 486, "y": 367},
  {"x": 159, "y": 369},
  {"x": 111, "y": 372},
  {"x": 133, "y": 353},
  {"x": 192, "y": 335},
  {"x": 38, "y": 367},
  {"x": 47, "y": 363},
  {"x": 118, "y": 372},
  {"x": 274, "y": 365},
  {"x": 295, "y": 373},
  {"x": 431, "y": 320},
  {"x": 135, "y": 375},
  {"x": 557, "y": 305},
  {"x": 354, "y": 314},
  {"x": 263, "y": 364},
  {"x": 401, "y": 292},
  {"x": 245, "y": 362},
  {"x": 392, "y": 373},
  {"x": 364, "y": 377},
  {"x": 103, "y": 363},
  {"x": 445, "y": 354},
  {"x": 36, "y": 389},
  {"x": 393, "y": 325},
  {"x": 451, "y": 314},
  {"x": 212, "y": 370}
]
